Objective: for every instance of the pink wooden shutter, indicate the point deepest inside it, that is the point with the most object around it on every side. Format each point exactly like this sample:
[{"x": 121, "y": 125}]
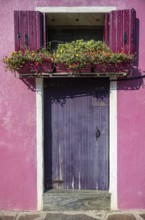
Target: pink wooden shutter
[
  {"x": 120, "y": 30},
  {"x": 28, "y": 29}
]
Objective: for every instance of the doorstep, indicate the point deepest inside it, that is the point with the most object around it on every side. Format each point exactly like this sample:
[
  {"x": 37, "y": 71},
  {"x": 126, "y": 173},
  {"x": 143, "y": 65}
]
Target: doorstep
[
  {"x": 77, "y": 215},
  {"x": 72, "y": 200}
]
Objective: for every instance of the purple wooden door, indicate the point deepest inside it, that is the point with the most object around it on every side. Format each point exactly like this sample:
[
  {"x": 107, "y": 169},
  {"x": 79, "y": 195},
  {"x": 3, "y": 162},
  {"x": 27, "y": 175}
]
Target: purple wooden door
[{"x": 76, "y": 134}]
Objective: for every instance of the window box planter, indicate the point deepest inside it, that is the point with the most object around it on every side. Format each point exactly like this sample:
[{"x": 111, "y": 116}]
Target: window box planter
[
  {"x": 33, "y": 67},
  {"x": 88, "y": 68},
  {"x": 92, "y": 57},
  {"x": 62, "y": 68},
  {"x": 46, "y": 67},
  {"x": 26, "y": 61},
  {"x": 74, "y": 58},
  {"x": 119, "y": 69},
  {"x": 113, "y": 67}
]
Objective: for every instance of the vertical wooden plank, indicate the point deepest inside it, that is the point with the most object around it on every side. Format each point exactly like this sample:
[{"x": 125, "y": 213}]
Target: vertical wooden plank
[
  {"x": 40, "y": 29},
  {"x": 16, "y": 30},
  {"x": 133, "y": 31},
  {"x": 67, "y": 144},
  {"x": 35, "y": 30},
  {"x": 79, "y": 143},
  {"x": 55, "y": 137},
  {"x": 23, "y": 27},
  {"x": 103, "y": 152},
  {"x": 91, "y": 144},
  {"x": 69, "y": 160},
  {"x": 106, "y": 138},
  {"x": 73, "y": 142},
  {"x": 129, "y": 20},
  {"x": 32, "y": 30},
  {"x": 107, "y": 28},
  {"x": 48, "y": 151},
  {"x": 126, "y": 27},
  {"x": 113, "y": 31},
  {"x": 71, "y": 137},
  {"x": 98, "y": 145},
  {"x": 35, "y": 34},
  {"x": 119, "y": 31},
  {"x": 44, "y": 26},
  {"x": 84, "y": 147},
  {"x": 61, "y": 151},
  {"x": 116, "y": 30}
]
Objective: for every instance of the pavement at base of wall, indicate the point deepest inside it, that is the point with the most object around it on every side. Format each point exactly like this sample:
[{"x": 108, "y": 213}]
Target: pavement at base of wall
[{"x": 73, "y": 215}]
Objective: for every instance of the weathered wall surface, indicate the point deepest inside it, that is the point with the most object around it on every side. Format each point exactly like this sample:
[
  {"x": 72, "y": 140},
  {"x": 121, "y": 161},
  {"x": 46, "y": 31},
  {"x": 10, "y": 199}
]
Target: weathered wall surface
[
  {"x": 56, "y": 3},
  {"x": 131, "y": 124},
  {"x": 18, "y": 124}
]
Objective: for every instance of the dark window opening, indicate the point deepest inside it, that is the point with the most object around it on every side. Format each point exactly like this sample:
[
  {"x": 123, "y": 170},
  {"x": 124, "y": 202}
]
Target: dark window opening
[
  {"x": 68, "y": 34},
  {"x": 69, "y": 27}
]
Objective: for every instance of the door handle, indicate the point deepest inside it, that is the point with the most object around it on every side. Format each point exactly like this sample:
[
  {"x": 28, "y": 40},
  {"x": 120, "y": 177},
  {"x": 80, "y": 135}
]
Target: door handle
[{"x": 97, "y": 133}]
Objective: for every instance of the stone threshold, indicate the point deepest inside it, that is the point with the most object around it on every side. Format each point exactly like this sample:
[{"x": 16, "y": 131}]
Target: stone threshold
[
  {"x": 73, "y": 215},
  {"x": 73, "y": 200}
]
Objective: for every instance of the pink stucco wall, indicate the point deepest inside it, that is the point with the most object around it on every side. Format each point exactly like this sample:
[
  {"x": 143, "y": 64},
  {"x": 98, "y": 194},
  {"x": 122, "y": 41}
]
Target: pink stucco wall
[
  {"x": 18, "y": 183},
  {"x": 131, "y": 125},
  {"x": 17, "y": 125}
]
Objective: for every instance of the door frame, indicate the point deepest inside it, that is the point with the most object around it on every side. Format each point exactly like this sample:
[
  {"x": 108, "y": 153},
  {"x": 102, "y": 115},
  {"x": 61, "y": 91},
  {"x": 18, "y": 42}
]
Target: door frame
[
  {"x": 112, "y": 118},
  {"x": 112, "y": 142}
]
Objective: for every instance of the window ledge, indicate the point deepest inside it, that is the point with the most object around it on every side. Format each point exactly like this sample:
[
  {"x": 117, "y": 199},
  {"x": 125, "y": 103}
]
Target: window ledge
[{"x": 69, "y": 75}]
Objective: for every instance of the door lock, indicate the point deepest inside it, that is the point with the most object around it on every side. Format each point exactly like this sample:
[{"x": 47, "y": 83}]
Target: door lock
[{"x": 97, "y": 133}]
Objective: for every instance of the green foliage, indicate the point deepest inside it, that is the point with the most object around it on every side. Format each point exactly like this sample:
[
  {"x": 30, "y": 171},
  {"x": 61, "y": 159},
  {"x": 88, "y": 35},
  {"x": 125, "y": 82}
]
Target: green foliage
[
  {"x": 75, "y": 55},
  {"x": 78, "y": 54},
  {"x": 17, "y": 59}
]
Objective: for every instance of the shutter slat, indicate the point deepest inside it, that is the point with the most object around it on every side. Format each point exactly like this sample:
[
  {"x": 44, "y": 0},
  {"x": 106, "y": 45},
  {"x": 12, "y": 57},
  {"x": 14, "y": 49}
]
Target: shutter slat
[
  {"x": 33, "y": 31},
  {"x": 29, "y": 25},
  {"x": 106, "y": 28},
  {"x": 132, "y": 30},
  {"x": 23, "y": 28},
  {"x": 119, "y": 23},
  {"x": 38, "y": 29},
  {"x": 113, "y": 31},
  {"x": 126, "y": 27},
  {"x": 44, "y": 30},
  {"x": 16, "y": 31}
]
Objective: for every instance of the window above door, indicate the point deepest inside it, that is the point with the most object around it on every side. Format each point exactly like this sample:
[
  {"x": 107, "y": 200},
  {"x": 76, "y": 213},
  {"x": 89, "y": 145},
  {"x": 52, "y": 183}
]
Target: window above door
[{"x": 34, "y": 29}]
